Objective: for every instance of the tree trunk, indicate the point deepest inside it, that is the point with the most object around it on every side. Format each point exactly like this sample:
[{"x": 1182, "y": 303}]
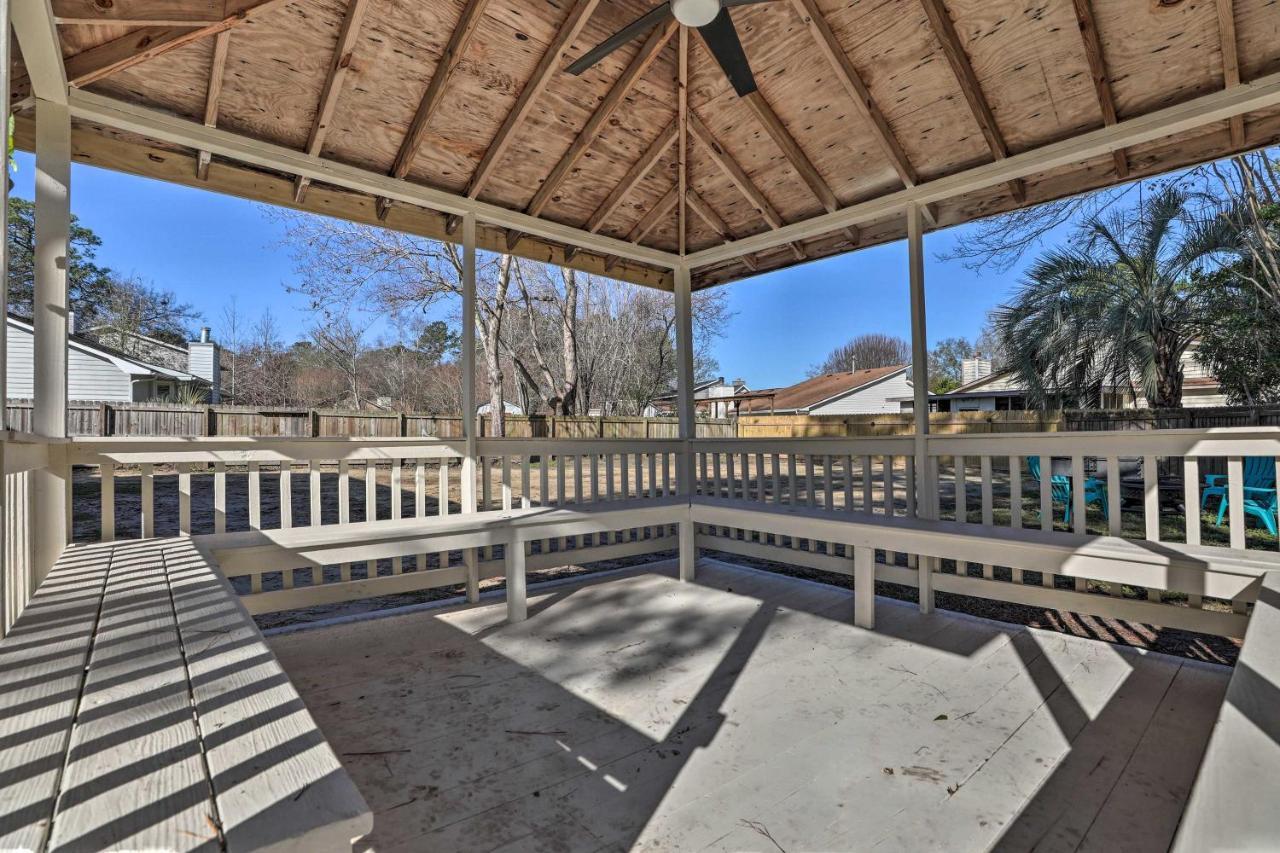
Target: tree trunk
[{"x": 569, "y": 343}]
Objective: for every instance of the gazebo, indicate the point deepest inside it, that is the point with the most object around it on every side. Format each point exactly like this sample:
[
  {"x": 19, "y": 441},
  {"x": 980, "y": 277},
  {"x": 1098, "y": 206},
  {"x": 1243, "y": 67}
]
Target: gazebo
[{"x": 687, "y": 703}]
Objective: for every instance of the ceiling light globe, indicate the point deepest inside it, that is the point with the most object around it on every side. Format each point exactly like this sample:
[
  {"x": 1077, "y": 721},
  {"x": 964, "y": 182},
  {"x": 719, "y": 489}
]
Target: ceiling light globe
[{"x": 695, "y": 13}]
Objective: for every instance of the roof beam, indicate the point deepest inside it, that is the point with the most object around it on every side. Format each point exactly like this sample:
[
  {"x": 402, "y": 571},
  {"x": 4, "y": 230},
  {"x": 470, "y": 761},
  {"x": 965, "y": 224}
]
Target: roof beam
[
  {"x": 945, "y": 31},
  {"x": 708, "y": 215},
  {"x": 139, "y": 13},
  {"x": 547, "y": 68},
  {"x": 41, "y": 51},
  {"x": 1260, "y": 94},
  {"x": 431, "y": 99},
  {"x": 338, "y": 66},
  {"x": 682, "y": 123},
  {"x": 1230, "y": 62},
  {"x": 854, "y": 86},
  {"x": 217, "y": 71},
  {"x": 147, "y": 43},
  {"x": 649, "y": 221},
  {"x": 637, "y": 173},
  {"x": 1101, "y": 79},
  {"x": 740, "y": 179},
  {"x": 157, "y": 125},
  {"x": 795, "y": 155},
  {"x": 640, "y": 63}
]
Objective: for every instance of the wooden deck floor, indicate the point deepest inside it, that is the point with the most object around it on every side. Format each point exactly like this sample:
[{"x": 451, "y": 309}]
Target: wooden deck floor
[{"x": 745, "y": 712}]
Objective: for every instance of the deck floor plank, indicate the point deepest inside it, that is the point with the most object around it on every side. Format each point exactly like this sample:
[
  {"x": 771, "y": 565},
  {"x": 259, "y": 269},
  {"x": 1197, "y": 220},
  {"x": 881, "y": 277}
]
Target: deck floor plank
[{"x": 632, "y": 710}]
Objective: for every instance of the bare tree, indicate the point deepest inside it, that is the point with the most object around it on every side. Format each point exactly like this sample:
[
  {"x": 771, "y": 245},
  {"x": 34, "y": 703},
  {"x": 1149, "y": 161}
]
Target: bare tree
[
  {"x": 339, "y": 342},
  {"x": 232, "y": 335},
  {"x": 863, "y": 353}
]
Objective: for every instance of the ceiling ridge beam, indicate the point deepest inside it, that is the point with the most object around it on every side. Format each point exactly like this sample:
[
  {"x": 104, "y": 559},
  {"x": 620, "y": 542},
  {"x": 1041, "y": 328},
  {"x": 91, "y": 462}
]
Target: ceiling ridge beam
[
  {"x": 461, "y": 36},
  {"x": 160, "y": 126},
  {"x": 339, "y": 65},
  {"x": 944, "y": 29},
  {"x": 217, "y": 70},
  {"x": 682, "y": 127},
  {"x": 856, "y": 88},
  {"x": 1092, "y": 39},
  {"x": 1230, "y": 62},
  {"x": 795, "y": 155},
  {"x": 1259, "y": 94},
  {"x": 142, "y": 45},
  {"x": 595, "y": 125},
  {"x": 740, "y": 179}
]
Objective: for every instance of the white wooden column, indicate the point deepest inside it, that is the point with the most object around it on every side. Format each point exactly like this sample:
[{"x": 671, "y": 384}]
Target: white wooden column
[
  {"x": 6, "y": 583},
  {"x": 51, "y": 493},
  {"x": 925, "y": 486},
  {"x": 469, "y": 392},
  {"x": 688, "y": 422}
]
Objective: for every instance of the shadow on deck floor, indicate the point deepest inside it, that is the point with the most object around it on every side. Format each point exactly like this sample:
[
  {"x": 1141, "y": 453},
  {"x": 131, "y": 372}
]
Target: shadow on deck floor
[{"x": 745, "y": 712}]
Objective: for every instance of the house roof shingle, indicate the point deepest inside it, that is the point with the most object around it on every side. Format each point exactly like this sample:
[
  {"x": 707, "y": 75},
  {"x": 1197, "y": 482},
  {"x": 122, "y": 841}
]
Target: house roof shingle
[{"x": 811, "y": 392}]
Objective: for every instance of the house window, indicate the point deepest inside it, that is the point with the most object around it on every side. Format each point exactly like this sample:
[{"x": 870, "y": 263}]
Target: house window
[{"x": 164, "y": 391}]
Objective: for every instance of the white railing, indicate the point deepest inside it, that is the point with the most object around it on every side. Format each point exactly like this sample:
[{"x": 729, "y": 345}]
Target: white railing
[
  {"x": 1113, "y": 482},
  {"x": 20, "y": 456},
  {"x": 158, "y": 487}
]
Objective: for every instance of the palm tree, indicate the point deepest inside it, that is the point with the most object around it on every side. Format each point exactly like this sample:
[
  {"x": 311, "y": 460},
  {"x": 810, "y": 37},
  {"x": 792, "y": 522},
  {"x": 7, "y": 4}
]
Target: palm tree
[{"x": 1112, "y": 311}]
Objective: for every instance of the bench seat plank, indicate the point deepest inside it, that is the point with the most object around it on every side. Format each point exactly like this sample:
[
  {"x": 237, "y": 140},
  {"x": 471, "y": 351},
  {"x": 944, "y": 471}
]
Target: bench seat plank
[
  {"x": 42, "y": 664},
  {"x": 277, "y": 783},
  {"x": 135, "y": 776}
]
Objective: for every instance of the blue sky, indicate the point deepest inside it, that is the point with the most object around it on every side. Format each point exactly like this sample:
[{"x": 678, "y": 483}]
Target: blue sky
[{"x": 209, "y": 248}]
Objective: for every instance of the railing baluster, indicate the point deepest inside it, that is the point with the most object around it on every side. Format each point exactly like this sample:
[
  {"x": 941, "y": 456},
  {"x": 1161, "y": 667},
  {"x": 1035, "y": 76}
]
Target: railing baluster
[
  {"x": 866, "y": 485},
  {"x": 544, "y": 480},
  {"x": 255, "y": 498},
  {"x": 344, "y": 507},
  {"x": 285, "y": 482},
  {"x": 848, "y": 483},
  {"x": 442, "y": 505},
  {"x": 1191, "y": 497},
  {"x": 107, "y": 479},
  {"x": 486, "y": 488},
  {"x": 1046, "y": 493},
  {"x": 506, "y": 483},
  {"x": 988, "y": 508},
  {"x": 562, "y": 542},
  {"x": 1151, "y": 498},
  {"x": 397, "y": 507},
  {"x": 962, "y": 490},
  {"x": 1235, "y": 500},
  {"x": 1115, "y": 512},
  {"x": 371, "y": 507},
  {"x": 830, "y": 494},
  {"x": 1079, "y": 511},
  {"x": 890, "y": 502},
  {"x": 526, "y": 487},
  {"x": 184, "y": 498},
  {"x": 610, "y": 492},
  {"x": 760, "y": 487},
  {"x": 313, "y": 486},
  {"x": 147, "y": 491},
  {"x": 219, "y": 497},
  {"x": 1015, "y": 503}
]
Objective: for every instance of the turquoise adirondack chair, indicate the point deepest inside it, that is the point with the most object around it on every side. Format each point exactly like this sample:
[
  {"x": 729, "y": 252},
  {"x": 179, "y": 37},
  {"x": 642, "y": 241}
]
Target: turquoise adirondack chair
[
  {"x": 1260, "y": 503},
  {"x": 1259, "y": 473},
  {"x": 1094, "y": 491}
]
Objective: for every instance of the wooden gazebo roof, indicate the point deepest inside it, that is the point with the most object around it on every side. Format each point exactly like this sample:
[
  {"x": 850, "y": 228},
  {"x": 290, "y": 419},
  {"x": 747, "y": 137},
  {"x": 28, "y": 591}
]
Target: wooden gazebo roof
[{"x": 857, "y": 99}]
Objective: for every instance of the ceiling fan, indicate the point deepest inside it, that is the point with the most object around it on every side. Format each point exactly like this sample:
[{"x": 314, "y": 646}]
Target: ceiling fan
[{"x": 709, "y": 17}]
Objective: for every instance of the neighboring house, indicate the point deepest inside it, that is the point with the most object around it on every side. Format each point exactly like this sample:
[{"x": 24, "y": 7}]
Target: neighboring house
[
  {"x": 852, "y": 393},
  {"x": 508, "y": 408},
  {"x": 711, "y": 397},
  {"x": 1000, "y": 392},
  {"x": 100, "y": 373}
]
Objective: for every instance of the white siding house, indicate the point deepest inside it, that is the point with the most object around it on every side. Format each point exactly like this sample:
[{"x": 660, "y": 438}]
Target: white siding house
[
  {"x": 869, "y": 391},
  {"x": 94, "y": 372},
  {"x": 874, "y": 398}
]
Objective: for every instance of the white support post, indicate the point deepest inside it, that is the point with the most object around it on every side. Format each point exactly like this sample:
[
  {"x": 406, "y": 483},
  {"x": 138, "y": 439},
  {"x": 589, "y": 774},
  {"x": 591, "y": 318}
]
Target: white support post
[
  {"x": 468, "y": 484},
  {"x": 864, "y": 587},
  {"x": 49, "y": 416},
  {"x": 925, "y": 485},
  {"x": 6, "y": 583},
  {"x": 517, "y": 599},
  {"x": 688, "y": 423}
]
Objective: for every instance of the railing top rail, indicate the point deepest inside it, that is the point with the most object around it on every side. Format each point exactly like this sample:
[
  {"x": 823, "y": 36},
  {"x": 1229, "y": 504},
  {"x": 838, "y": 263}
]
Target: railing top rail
[
  {"x": 134, "y": 450},
  {"x": 817, "y": 446},
  {"x": 575, "y": 446},
  {"x": 1217, "y": 441}
]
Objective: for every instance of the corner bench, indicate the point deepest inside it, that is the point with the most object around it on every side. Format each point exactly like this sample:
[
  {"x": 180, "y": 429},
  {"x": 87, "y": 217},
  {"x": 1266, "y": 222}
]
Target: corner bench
[{"x": 143, "y": 710}]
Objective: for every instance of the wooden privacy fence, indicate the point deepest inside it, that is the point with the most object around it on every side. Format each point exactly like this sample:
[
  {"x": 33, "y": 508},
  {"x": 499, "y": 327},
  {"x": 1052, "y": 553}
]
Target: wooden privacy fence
[{"x": 173, "y": 420}]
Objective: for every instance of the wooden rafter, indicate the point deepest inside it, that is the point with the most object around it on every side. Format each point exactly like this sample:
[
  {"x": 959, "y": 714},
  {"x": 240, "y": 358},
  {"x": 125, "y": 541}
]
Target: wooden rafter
[
  {"x": 138, "y": 13},
  {"x": 707, "y": 214},
  {"x": 339, "y": 64},
  {"x": 548, "y": 66},
  {"x": 147, "y": 43},
  {"x": 649, "y": 221},
  {"x": 854, "y": 86},
  {"x": 431, "y": 99},
  {"x": 682, "y": 126},
  {"x": 795, "y": 156},
  {"x": 1101, "y": 79},
  {"x": 637, "y": 173},
  {"x": 945, "y": 31},
  {"x": 217, "y": 70},
  {"x": 1230, "y": 62},
  {"x": 740, "y": 179},
  {"x": 595, "y": 125}
]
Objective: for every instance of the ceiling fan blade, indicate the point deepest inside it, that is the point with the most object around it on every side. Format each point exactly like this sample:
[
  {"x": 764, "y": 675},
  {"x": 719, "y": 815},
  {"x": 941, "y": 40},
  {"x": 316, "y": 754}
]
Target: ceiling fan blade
[
  {"x": 639, "y": 26},
  {"x": 723, "y": 42}
]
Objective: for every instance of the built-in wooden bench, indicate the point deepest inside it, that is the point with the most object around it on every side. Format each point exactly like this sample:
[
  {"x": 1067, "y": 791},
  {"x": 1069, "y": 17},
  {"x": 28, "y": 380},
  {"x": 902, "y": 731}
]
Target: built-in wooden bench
[
  {"x": 328, "y": 545},
  {"x": 1199, "y": 570},
  {"x": 1233, "y": 803},
  {"x": 142, "y": 710}
]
